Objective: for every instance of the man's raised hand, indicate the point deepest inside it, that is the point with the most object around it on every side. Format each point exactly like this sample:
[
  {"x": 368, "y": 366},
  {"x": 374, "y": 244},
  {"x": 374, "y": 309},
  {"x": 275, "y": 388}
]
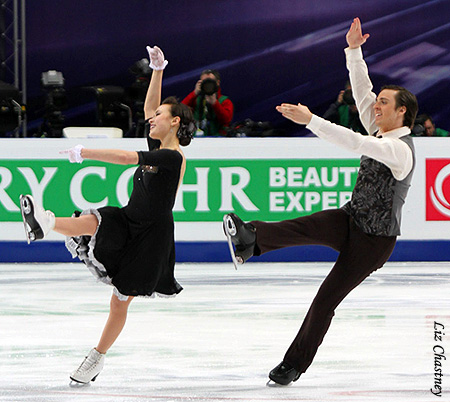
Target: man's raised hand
[{"x": 355, "y": 37}]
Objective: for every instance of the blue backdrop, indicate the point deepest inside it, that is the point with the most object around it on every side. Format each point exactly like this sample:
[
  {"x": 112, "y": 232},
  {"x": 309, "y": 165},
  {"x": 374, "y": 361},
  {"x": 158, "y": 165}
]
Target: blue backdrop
[{"x": 268, "y": 51}]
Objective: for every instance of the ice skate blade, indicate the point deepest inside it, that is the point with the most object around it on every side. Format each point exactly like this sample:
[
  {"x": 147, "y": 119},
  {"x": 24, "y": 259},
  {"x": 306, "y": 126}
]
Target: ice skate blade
[
  {"x": 76, "y": 384},
  {"x": 23, "y": 208},
  {"x": 230, "y": 227},
  {"x": 273, "y": 384},
  {"x": 79, "y": 383},
  {"x": 226, "y": 219},
  {"x": 33, "y": 231}
]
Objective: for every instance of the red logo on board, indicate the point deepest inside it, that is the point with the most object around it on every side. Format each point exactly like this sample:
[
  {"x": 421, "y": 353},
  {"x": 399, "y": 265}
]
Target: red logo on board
[{"x": 437, "y": 189}]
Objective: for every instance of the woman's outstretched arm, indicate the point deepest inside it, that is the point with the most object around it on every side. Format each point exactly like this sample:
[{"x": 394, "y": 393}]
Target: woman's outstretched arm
[
  {"x": 153, "y": 97},
  {"x": 118, "y": 156}
]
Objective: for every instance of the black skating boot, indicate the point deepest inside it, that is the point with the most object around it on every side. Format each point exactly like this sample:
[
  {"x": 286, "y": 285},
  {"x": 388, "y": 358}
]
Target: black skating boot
[
  {"x": 242, "y": 235},
  {"x": 284, "y": 374}
]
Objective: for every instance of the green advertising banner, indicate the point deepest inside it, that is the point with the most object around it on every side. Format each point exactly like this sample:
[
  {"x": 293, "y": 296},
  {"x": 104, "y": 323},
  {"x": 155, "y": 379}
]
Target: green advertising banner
[
  {"x": 267, "y": 179},
  {"x": 61, "y": 186},
  {"x": 263, "y": 189}
]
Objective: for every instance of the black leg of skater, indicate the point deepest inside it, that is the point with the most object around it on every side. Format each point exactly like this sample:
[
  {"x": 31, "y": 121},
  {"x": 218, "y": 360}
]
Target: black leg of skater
[{"x": 361, "y": 255}]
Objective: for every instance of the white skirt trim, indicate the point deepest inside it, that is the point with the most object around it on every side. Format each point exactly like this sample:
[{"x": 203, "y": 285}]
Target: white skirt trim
[
  {"x": 86, "y": 254},
  {"x": 122, "y": 297}
]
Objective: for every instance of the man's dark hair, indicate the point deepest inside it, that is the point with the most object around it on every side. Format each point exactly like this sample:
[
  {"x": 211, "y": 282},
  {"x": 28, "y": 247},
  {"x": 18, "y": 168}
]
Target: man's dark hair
[
  {"x": 405, "y": 98},
  {"x": 424, "y": 117},
  {"x": 214, "y": 72}
]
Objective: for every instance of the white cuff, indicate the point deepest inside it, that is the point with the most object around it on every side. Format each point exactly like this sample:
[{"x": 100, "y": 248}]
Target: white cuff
[
  {"x": 353, "y": 54},
  {"x": 314, "y": 124}
]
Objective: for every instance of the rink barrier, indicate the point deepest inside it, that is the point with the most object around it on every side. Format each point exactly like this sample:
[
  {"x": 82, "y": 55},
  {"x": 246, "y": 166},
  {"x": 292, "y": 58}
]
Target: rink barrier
[
  {"x": 269, "y": 179},
  {"x": 211, "y": 252}
]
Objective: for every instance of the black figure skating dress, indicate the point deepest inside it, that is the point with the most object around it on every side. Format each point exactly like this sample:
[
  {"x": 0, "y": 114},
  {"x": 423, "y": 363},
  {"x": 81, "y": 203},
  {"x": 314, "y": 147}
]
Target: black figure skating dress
[{"x": 133, "y": 248}]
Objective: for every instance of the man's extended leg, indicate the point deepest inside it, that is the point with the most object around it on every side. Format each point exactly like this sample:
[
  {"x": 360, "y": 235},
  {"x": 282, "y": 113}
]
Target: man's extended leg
[
  {"x": 361, "y": 255},
  {"x": 327, "y": 228}
]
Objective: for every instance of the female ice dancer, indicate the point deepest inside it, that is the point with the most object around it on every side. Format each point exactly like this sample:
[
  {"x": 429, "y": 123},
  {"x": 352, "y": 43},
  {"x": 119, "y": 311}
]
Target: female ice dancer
[{"x": 131, "y": 248}]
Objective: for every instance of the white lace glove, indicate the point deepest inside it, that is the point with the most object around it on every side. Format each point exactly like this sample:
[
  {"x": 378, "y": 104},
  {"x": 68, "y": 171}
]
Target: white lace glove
[
  {"x": 157, "y": 61},
  {"x": 74, "y": 154}
]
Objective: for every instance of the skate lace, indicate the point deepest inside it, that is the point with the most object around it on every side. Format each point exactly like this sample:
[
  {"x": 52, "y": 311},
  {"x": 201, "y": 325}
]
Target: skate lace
[
  {"x": 50, "y": 214},
  {"x": 88, "y": 364},
  {"x": 51, "y": 219}
]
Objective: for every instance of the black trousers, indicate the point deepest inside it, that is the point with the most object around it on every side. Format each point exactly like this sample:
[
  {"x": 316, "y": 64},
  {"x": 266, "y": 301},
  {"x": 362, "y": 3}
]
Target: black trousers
[{"x": 360, "y": 254}]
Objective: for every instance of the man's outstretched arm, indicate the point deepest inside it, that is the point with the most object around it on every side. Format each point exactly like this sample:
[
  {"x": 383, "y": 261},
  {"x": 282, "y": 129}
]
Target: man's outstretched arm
[{"x": 359, "y": 76}]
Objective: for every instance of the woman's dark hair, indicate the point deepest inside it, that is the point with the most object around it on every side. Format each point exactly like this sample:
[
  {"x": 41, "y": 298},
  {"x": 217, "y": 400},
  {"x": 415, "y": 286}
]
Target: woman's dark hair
[
  {"x": 187, "y": 123},
  {"x": 405, "y": 98}
]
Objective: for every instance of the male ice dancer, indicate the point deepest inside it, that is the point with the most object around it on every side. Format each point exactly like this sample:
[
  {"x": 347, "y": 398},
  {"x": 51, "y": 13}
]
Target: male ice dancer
[{"x": 364, "y": 230}]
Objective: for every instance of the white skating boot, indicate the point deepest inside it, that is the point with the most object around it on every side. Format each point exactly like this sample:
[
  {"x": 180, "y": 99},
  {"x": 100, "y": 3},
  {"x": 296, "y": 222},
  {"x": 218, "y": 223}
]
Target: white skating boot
[
  {"x": 36, "y": 220},
  {"x": 90, "y": 368}
]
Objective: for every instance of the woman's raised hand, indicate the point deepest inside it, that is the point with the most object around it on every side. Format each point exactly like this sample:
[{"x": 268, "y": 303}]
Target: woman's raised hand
[{"x": 156, "y": 55}]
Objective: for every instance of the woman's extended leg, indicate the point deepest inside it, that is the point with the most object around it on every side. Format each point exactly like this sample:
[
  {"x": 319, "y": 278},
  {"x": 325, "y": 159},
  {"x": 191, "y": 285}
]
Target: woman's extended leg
[
  {"x": 116, "y": 321},
  {"x": 85, "y": 225},
  {"x": 92, "y": 365},
  {"x": 39, "y": 222}
]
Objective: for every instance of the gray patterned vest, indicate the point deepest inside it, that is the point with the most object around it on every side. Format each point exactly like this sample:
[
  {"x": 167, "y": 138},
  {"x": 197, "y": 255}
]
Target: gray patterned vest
[{"x": 378, "y": 198}]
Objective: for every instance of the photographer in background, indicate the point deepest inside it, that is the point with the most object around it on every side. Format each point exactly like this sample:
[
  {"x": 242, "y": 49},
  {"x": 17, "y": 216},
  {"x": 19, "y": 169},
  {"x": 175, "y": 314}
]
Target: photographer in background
[
  {"x": 213, "y": 111},
  {"x": 430, "y": 128},
  {"x": 344, "y": 111}
]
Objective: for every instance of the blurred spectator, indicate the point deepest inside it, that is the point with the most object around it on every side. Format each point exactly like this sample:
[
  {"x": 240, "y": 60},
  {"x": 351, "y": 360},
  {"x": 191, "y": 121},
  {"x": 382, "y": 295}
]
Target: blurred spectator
[
  {"x": 430, "y": 127},
  {"x": 213, "y": 111},
  {"x": 344, "y": 111}
]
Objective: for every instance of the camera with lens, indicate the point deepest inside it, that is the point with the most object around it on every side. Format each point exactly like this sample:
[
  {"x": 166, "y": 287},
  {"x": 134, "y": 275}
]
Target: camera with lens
[
  {"x": 348, "y": 97},
  {"x": 418, "y": 129},
  {"x": 209, "y": 86}
]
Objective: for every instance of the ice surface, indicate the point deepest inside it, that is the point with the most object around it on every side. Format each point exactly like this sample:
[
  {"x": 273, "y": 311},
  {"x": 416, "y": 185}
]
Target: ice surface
[{"x": 219, "y": 338}]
